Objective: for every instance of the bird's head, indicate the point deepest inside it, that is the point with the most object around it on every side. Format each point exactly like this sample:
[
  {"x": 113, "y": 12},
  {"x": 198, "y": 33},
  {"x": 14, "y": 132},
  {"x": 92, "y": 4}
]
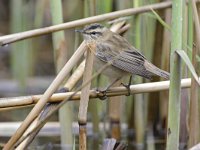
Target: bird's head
[{"x": 93, "y": 32}]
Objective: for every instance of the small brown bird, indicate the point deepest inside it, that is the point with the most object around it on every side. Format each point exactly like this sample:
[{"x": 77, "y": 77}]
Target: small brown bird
[{"x": 125, "y": 59}]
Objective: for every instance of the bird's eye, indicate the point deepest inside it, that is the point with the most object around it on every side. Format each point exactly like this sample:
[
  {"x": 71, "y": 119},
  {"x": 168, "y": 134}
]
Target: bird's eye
[{"x": 93, "y": 33}]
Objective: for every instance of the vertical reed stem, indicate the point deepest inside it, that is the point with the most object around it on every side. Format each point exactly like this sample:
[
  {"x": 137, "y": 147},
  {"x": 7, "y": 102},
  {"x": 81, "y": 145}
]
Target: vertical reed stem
[
  {"x": 82, "y": 116},
  {"x": 175, "y": 78},
  {"x": 60, "y": 58}
]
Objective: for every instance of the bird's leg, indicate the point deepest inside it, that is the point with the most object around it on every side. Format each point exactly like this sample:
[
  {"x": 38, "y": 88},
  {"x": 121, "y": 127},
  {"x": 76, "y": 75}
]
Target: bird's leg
[
  {"x": 128, "y": 86},
  {"x": 104, "y": 91}
]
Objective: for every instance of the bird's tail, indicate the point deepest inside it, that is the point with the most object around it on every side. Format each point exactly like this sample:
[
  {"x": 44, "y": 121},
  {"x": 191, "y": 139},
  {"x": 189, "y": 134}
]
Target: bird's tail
[{"x": 155, "y": 70}]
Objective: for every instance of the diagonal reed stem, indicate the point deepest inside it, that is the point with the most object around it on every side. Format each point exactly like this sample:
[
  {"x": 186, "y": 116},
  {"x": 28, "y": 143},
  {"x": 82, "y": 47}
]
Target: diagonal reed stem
[{"x": 44, "y": 99}]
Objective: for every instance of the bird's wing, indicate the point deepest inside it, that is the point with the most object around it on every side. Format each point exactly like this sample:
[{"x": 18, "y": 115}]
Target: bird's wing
[
  {"x": 133, "y": 62},
  {"x": 129, "y": 60}
]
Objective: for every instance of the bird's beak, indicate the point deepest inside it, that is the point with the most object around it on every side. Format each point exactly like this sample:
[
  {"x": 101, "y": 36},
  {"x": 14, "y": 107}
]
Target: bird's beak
[{"x": 80, "y": 31}]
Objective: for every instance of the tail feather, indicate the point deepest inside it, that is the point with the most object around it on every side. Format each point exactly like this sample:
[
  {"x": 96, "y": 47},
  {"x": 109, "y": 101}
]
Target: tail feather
[{"x": 155, "y": 70}]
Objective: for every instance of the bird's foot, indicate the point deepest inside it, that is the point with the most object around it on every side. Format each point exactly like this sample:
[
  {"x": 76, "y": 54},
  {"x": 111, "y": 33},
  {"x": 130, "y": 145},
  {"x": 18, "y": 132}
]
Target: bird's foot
[
  {"x": 127, "y": 86},
  {"x": 62, "y": 90},
  {"x": 102, "y": 94}
]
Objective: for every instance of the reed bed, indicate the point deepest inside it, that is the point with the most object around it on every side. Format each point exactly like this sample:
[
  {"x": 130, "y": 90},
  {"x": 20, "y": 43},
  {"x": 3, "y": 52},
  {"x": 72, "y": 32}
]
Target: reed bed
[{"x": 169, "y": 41}]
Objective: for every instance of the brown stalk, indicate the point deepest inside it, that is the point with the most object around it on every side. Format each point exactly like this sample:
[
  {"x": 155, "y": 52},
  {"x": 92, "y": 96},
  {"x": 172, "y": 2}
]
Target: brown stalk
[
  {"x": 164, "y": 96},
  {"x": 194, "y": 127},
  {"x": 154, "y": 97},
  {"x": 44, "y": 99},
  {"x": 83, "y": 107}
]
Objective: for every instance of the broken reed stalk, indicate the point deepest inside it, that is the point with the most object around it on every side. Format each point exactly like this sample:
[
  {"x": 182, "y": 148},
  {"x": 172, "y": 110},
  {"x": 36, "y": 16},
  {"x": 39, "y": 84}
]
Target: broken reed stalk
[
  {"x": 83, "y": 106},
  {"x": 48, "y": 93},
  {"x": 74, "y": 78},
  {"x": 115, "y": 91},
  {"x": 108, "y": 16}
]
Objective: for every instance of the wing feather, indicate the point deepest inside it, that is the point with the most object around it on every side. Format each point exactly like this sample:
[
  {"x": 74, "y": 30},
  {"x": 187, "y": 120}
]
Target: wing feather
[{"x": 129, "y": 60}]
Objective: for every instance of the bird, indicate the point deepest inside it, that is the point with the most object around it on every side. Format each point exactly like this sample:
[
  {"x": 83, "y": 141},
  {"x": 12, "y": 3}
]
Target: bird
[{"x": 124, "y": 58}]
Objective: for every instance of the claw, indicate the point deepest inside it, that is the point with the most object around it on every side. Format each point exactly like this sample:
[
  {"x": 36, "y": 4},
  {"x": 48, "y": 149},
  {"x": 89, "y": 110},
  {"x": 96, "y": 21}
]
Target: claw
[
  {"x": 127, "y": 86},
  {"x": 102, "y": 94}
]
